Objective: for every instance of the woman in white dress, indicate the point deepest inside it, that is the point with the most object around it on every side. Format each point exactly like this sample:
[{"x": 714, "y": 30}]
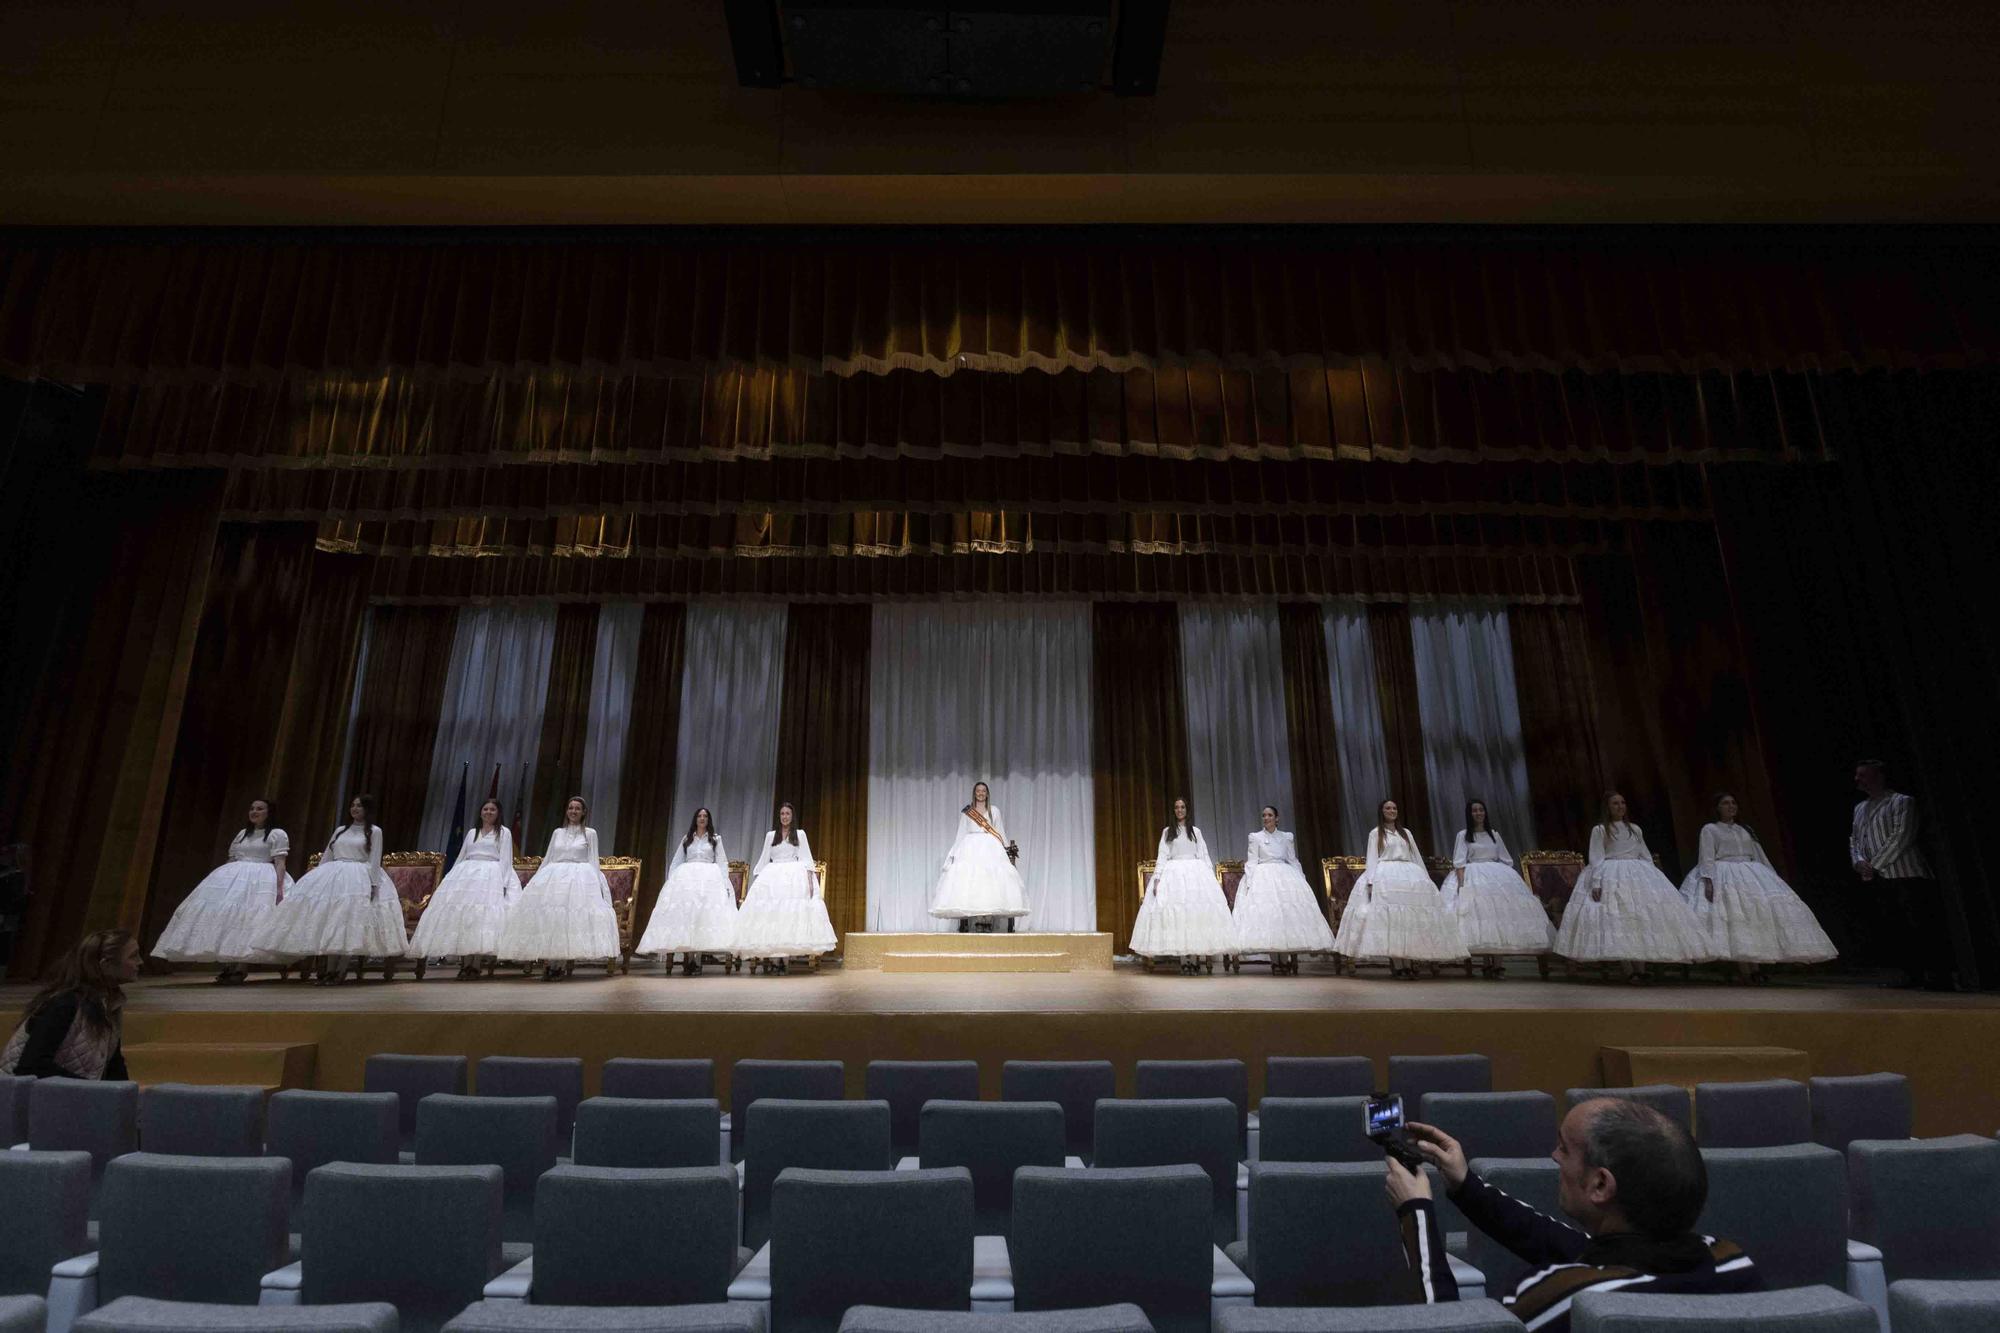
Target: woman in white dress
[
  {"x": 344, "y": 909},
  {"x": 1276, "y": 910},
  {"x": 1395, "y": 911},
  {"x": 1750, "y": 916},
  {"x": 1623, "y": 909},
  {"x": 783, "y": 915},
  {"x": 696, "y": 913},
  {"x": 1497, "y": 913},
  {"x": 215, "y": 923},
  {"x": 564, "y": 913},
  {"x": 979, "y": 879},
  {"x": 1184, "y": 913},
  {"x": 469, "y": 909}
]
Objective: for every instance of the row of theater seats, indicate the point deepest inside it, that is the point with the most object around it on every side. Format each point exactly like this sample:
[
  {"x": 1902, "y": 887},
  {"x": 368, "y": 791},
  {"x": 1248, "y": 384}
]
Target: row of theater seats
[{"x": 648, "y": 1188}]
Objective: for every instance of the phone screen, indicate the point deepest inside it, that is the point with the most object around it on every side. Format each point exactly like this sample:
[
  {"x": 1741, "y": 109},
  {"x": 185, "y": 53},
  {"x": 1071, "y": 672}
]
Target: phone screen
[{"x": 1384, "y": 1114}]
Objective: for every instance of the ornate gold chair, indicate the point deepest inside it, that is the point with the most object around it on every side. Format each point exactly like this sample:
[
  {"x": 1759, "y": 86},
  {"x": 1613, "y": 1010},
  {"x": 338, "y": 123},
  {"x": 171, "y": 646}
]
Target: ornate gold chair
[
  {"x": 1223, "y": 878},
  {"x": 1551, "y": 876},
  {"x": 739, "y": 875},
  {"x": 1339, "y": 874},
  {"x": 415, "y": 876}
]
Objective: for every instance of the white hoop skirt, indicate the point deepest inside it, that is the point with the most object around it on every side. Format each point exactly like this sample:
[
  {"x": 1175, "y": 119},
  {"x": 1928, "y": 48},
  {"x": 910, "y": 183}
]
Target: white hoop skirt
[
  {"x": 563, "y": 914},
  {"x": 979, "y": 881},
  {"x": 781, "y": 918},
  {"x": 1497, "y": 913},
  {"x": 1755, "y": 918},
  {"x": 1641, "y": 919},
  {"x": 216, "y": 922},
  {"x": 467, "y": 913},
  {"x": 1277, "y": 912},
  {"x": 329, "y": 912},
  {"x": 1404, "y": 918},
  {"x": 1184, "y": 914},
  {"x": 696, "y": 912}
]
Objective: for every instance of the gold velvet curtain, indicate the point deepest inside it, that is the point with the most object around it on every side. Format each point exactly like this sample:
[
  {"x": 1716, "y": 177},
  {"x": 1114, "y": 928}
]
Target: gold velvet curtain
[
  {"x": 1553, "y": 687},
  {"x": 823, "y": 748},
  {"x": 1309, "y": 716},
  {"x": 1402, "y": 724},
  {"x": 106, "y": 308},
  {"x": 395, "y": 727},
  {"x": 652, "y": 746},
  {"x": 1138, "y": 751},
  {"x": 565, "y": 720},
  {"x": 1375, "y": 410},
  {"x": 87, "y": 776}
]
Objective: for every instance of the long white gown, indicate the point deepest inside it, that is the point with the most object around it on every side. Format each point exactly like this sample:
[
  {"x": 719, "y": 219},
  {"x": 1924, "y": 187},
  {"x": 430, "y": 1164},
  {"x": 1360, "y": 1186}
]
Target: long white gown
[
  {"x": 696, "y": 912},
  {"x": 1756, "y": 917},
  {"x": 783, "y": 915},
  {"x": 215, "y": 923},
  {"x": 564, "y": 913},
  {"x": 1641, "y": 918},
  {"x": 1276, "y": 909},
  {"x": 1497, "y": 912},
  {"x": 1395, "y": 911},
  {"x": 469, "y": 909},
  {"x": 978, "y": 879},
  {"x": 343, "y": 907},
  {"x": 1184, "y": 914}
]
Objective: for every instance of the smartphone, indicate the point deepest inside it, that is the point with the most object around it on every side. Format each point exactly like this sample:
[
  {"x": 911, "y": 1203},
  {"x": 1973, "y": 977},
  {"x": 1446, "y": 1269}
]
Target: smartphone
[
  {"x": 1383, "y": 1114},
  {"x": 1383, "y": 1123}
]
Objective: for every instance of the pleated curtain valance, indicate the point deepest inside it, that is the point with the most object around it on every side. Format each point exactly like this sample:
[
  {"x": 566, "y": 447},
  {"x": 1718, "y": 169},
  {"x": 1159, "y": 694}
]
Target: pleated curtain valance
[
  {"x": 98, "y": 308},
  {"x": 1372, "y": 411}
]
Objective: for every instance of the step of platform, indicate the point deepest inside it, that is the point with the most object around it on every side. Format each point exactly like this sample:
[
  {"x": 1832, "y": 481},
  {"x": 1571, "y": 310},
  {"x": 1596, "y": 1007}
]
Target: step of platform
[
  {"x": 267, "y": 1065},
  {"x": 1083, "y": 950},
  {"x": 1016, "y": 961}
]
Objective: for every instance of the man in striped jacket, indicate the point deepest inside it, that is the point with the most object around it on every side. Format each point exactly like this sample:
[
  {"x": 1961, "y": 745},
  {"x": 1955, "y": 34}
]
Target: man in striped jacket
[
  {"x": 1882, "y": 845},
  {"x": 1631, "y": 1181}
]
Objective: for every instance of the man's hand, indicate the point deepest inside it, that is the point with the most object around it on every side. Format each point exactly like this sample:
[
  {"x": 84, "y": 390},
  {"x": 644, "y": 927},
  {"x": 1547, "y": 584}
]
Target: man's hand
[
  {"x": 1441, "y": 1150},
  {"x": 1867, "y": 871},
  {"x": 1402, "y": 1184}
]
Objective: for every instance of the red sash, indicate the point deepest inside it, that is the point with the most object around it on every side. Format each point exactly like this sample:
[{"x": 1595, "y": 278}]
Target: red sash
[{"x": 972, "y": 812}]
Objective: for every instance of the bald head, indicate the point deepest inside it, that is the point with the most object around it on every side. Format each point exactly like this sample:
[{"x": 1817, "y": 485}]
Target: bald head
[{"x": 1627, "y": 1167}]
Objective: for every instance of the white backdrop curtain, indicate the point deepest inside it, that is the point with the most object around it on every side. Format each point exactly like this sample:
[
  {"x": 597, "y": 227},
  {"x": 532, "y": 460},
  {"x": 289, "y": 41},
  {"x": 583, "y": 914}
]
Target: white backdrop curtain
[
  {"x": 732, "y": 682},
  {"x": 967, "y": 692},
  {"x": 613, "y": 666},
  {"x": 1357, "y": 720},
  {"x": 1471, "y": 719},
  {"x": 353, "y": 719},
  {"x": 1239, "y": 744},
  {"x": 494, "y": 690}
]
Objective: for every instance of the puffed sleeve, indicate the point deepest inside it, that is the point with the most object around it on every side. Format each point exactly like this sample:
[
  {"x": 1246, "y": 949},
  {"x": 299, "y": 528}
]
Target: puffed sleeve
[
  {"x": 1596, "y": 856},
  {"x": 590, "y": 844},
  {"x": 1639, "y": 836},
  {"x": 721, "y": 855},
  {"x": 680, "y": 855},
  {"x": 1288, "y": 848},
  {"x": 375, "y": 876},
  {"x": 999, "y": 825},
  {"x": 553, "y": 835},
  {"x": 1500, "y": 845},
  {"x": 1250, "y": 850},
  {"x": 1757, "y": 850},
  {"x": 281, "y": 846},
  {"x": 506, "y": 847},
  {"x": 1458, "y": 850},
  {"x": 770, "y": 840},
  {"x": 1161, "y": 854},
  {"x": 1201, "y": 844},
  {"x": 1374, "y": 844},
  {"x": 1705, "y": 863}
]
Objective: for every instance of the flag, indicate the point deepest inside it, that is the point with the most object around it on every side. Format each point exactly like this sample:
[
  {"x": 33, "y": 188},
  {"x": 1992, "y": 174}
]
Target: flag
[
  {"x": 456, "y": 838},
  {"x": 520, "y": 795}
]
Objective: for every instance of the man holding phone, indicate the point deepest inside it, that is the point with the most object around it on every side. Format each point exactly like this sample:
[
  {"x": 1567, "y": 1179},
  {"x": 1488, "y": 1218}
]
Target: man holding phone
[{"x": 1632, "y": 1184}]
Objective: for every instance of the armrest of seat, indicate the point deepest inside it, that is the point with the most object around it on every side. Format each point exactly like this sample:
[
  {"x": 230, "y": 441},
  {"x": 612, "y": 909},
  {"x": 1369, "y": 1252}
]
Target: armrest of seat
[
  {"x": 17, "y": 1147},
  {"x": 992, "y": 1275},
  {"x": 283, "y": 1286},
  {"x": 514, "y": 1284},
  {"x": 907, "y": 1163},
  {"x": 1228, "y": 1284},
  {"x": 754, "y": 1282},
  {"x": 725, "y": 1138},
  {"x": 1866, "y": 1280},
  {"x": 1253, "y": 1134},
  {"x": 1073, "y": 1163},
  {"x": 72, "y": 1291},
  {"x": 1471, "y": 1282}
]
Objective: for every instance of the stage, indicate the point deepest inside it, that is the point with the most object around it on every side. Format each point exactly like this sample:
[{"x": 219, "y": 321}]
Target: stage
[{"x": 1540, "y": 1034}]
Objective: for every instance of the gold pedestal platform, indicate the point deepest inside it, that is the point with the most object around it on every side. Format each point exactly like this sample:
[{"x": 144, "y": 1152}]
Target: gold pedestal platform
[{"x": 976, "y": 951}]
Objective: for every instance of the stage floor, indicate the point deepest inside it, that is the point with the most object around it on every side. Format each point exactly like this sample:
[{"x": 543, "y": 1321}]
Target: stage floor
[{"x": 1540, "y": 1034}]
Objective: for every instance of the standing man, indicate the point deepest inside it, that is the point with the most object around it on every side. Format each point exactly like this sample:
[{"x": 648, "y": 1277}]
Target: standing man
[{"x": 1882, "y": 847}]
